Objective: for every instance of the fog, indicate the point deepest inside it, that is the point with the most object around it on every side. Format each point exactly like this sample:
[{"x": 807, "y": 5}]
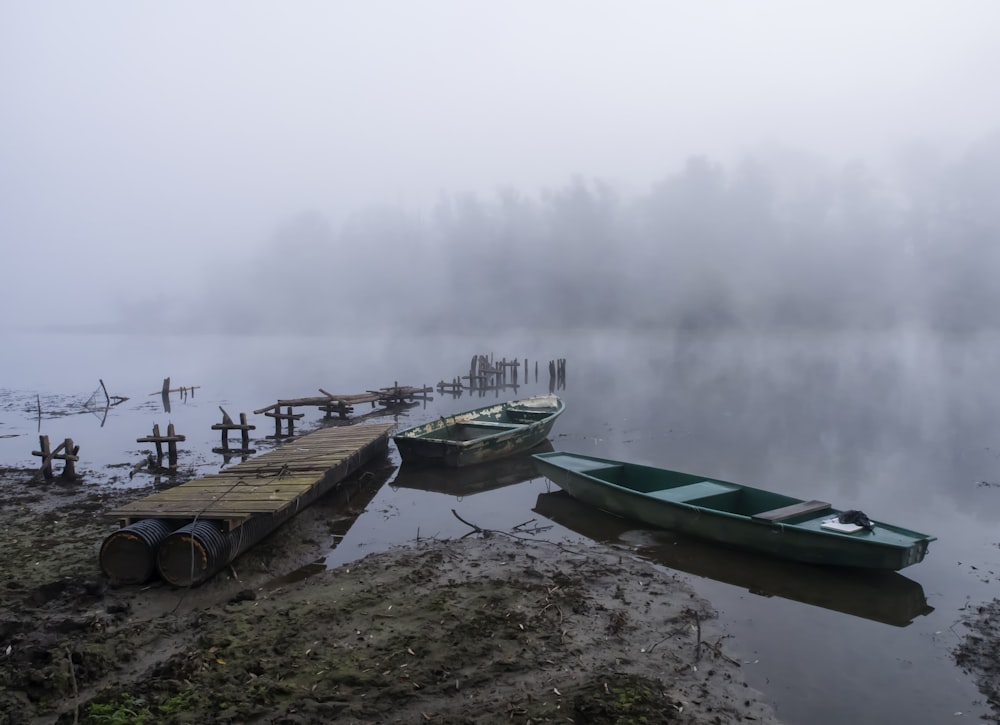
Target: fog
[{"x": 254, "y": 167}]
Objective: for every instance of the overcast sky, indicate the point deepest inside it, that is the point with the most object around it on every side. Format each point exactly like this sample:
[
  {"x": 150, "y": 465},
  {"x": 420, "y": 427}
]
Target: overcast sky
[{"x": 141, "y": 141}]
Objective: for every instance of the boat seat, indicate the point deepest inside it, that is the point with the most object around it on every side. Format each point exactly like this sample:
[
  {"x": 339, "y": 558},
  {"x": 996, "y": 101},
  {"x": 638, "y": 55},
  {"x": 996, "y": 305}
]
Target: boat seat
[
  {"x": 795, "y": 509},
  {"x": 591, "y": 467},
  {"x": 692, "y": 491},
  {"x": 489, "y": 424}
]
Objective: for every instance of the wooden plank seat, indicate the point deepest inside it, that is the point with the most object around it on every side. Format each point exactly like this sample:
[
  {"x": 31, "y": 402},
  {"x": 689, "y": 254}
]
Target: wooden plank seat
[
  {"x": 692, "y": 491},
  {"x": 488, "y": 424},
  {"x": 795, "y": 509}
]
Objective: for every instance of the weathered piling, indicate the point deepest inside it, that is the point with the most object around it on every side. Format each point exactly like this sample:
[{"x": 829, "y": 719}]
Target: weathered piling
[
  {"x": 288, "y": 415},
  {"x": 65, "y": 452},
  {"x": 343, "y": 405},
  {"x": 557, "y": 374},
  {"x": 227, "y": 425},
  {"x": 171, "y": 439}
]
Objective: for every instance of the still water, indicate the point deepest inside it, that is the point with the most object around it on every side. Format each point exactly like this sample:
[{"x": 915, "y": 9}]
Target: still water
[{"x": 902, "y": 425}]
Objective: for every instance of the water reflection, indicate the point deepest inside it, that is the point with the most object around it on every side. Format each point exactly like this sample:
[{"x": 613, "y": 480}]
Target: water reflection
[
  {"x": 341, "y": 509},
  {"x": 469, "y": 480},
  {"x": 886, "y": 597}
]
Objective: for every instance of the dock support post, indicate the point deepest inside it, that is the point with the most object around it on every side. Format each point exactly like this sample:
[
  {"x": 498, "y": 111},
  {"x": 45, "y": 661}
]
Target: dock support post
[
  {"x": 171, "y": 439},
  {"x": 227, "y": 425},
  {"x": 68, "y": 456}
]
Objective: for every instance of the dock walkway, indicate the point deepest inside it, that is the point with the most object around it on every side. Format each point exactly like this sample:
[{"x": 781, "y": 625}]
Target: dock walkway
[{"x": 191, "y": 530}]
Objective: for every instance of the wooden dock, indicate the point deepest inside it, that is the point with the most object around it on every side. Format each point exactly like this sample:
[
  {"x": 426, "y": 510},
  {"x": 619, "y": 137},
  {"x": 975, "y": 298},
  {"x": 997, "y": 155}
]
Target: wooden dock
[
  {"x": 343, "y": 405},
  {"x": 277, "y": 482}
]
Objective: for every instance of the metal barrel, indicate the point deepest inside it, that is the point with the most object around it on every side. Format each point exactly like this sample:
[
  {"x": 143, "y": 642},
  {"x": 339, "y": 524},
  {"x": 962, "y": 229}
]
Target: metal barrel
[
  {"x": 128, "y": 556},
  {"x": 194, "y": 552}
]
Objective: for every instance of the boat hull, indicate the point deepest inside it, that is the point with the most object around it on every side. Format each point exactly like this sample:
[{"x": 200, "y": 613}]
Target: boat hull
[
  {"x": 890, "y": 548},
  {"x": 478, "y": 436},
  {"x": 881, "y": 596}
]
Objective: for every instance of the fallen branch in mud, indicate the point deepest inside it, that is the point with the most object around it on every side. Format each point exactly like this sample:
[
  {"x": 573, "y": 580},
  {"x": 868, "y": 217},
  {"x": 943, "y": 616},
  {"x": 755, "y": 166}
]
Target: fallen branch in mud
[
  {"x": 717, "y": 648},
  {"x": 467, "y": 523},
  {"x": 490, "y": 532},
  {"x": 76, "y": 689},
  {"x": 697, "y": 646},
  {"x": 536, "y": 529}
]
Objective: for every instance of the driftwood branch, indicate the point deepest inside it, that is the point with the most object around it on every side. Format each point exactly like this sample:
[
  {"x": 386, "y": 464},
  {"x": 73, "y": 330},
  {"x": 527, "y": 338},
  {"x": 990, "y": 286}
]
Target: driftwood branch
[{"x": 490, "y": 532}]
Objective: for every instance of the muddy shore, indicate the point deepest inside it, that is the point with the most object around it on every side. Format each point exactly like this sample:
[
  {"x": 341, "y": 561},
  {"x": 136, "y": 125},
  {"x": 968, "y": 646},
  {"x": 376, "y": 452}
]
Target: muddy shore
[{"x": 494, "y": 627}]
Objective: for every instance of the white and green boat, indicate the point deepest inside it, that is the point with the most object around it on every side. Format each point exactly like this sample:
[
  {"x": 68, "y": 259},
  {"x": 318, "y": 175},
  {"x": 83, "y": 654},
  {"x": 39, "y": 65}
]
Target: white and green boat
[
  {"x": 484, "y": 434},
  {"x": 735, "y": 515}
]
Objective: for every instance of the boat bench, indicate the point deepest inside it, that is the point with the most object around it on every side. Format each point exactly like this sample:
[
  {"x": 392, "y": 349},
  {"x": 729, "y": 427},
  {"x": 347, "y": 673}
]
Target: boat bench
[
  {"x": 585, "y": 465},
  {"x": 488, "y": 424},
  {"x": 795, "y": 509},
  {"x": 692, "y": 491}
]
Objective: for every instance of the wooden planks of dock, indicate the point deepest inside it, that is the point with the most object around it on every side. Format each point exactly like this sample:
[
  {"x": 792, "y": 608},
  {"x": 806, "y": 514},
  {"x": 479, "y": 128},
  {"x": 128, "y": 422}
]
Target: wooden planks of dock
[{"x": 291, "y": 476}]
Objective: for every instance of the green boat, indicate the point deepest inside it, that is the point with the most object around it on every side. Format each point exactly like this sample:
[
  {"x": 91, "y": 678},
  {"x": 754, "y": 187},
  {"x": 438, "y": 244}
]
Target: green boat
[
  {"x": 470, "y": 480},
  {"x": 881, "y": 596},
  {"x": 728, "y": 513},
  {"x": 484, "y": 434}
]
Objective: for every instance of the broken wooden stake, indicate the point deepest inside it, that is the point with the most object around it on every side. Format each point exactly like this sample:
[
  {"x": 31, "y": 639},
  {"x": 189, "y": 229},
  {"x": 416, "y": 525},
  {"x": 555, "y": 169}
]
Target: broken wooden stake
[
  {"x": 227, "y": 425},
  {"x": 171, "y": 439},
  {"x": 68, "y": 456}
]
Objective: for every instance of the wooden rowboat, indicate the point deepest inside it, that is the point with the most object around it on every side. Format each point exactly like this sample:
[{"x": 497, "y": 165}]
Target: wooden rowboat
[
  {"x": 735, "y": 515},
  {"x": 881, "y": 596},
  {"x": 484, "y": 434},
  {"x": 470, "y": 480}
]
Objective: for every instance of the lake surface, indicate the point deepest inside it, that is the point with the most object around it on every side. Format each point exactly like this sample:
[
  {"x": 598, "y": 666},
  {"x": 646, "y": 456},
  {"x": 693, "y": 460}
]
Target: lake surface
[{"x": 902, "y": 425}]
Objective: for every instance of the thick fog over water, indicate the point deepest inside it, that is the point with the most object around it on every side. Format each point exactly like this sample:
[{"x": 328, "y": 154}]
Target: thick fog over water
[
  {"x": 764, "y": 235},
  {"x": 245, "y": 166}
]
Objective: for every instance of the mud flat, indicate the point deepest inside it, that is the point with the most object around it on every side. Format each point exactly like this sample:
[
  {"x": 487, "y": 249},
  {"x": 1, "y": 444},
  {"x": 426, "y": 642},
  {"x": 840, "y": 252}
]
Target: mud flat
[
  {"x": 489, "y": 628},
  {"x": 978, "y": 651}
]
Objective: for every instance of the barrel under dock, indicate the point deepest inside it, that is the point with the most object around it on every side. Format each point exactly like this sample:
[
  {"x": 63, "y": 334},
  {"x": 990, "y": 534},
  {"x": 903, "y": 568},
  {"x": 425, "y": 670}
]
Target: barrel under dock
[{"x": 190, "y": 532}]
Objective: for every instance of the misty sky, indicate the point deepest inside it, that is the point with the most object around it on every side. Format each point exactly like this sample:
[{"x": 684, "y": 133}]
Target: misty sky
[{"x": 143, "y": 142}]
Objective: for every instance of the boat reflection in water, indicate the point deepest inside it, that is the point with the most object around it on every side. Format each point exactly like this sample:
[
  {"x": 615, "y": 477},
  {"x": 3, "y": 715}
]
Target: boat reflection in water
[
  {"x": 340, "y": 508},
  {"x": 469, "y": 480},
  {"x": 881, "y": 596}
]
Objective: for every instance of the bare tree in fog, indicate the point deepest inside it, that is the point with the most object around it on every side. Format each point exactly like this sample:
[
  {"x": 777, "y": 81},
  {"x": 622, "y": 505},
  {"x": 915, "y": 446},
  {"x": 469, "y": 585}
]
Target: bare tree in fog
[{"x": 768, "y": 244}]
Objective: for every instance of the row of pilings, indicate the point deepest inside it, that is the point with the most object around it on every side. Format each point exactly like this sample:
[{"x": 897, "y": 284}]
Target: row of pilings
[{"x": 488, "y": 374}]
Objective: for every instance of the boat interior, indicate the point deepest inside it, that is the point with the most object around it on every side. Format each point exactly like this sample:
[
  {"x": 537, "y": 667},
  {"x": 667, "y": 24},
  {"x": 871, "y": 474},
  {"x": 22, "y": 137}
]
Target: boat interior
[
  {"x": 690, "y": 489},
  {"x": 522, "y": 416},
  {"x": 468, "y": 431}
]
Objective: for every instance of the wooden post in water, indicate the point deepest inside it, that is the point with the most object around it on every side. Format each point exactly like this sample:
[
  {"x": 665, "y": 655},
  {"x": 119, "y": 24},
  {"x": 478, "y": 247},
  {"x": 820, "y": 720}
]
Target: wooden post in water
[
  {"x": 46, "y": 455},
  {"x": 69, "y": 459},
  {"x": 279, "y": 416},
  {"x": 171, "y": 439},
  {"x": 68, "y": 456},
  {"x": 227, "y": 425}
]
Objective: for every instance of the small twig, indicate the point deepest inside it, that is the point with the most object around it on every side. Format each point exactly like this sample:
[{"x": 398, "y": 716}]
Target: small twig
[
  {"x": 553, "y": 604},
  {"x": 467, "y": 523},
  {"x": 488, "y": 532},
  {"x": 653, "y": 646},
  {"x": 717, "y": 648},
  {"x": 697, "y": 647},
  {"x": 76, "y": 692}
]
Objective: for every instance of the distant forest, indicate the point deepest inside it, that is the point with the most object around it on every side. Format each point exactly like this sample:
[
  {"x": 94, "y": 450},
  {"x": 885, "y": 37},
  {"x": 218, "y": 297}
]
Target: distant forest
[{"x": 782, "y": 241}]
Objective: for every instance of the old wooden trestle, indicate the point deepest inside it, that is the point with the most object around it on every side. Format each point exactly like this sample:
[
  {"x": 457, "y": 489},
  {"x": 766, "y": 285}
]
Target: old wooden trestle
[
  {"x": 342, "y": 405},
  {"x": 189, "y": 532}
]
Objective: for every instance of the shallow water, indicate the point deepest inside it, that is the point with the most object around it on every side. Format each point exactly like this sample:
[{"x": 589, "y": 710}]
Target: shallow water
[{"x": 900, "y": 425}]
